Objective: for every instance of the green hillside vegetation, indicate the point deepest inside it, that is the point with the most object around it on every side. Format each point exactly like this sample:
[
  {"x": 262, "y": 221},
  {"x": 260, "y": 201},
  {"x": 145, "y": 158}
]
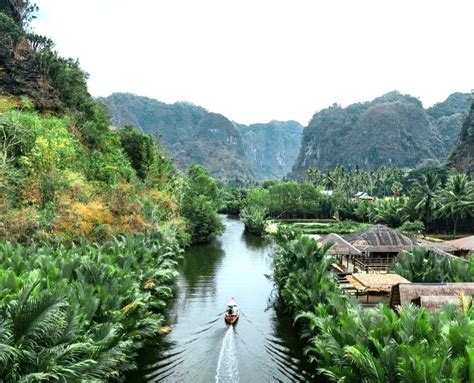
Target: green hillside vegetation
[
  {"x": 462, "y": 156},
  {"x": 393, "y": 129},
  {"x": 92, "y": 221},
  {"x": 415, "y": 202},
  {"x": 191, "y": 134}
]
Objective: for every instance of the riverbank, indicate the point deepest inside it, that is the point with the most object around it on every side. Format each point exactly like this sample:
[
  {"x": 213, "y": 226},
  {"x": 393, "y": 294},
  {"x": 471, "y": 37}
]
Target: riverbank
[
  {"x": 79, "y": 312},
  {"x": 264, "y": 345}
]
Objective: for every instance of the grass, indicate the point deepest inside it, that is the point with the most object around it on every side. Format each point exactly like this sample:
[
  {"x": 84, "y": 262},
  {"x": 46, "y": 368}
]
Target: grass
[{"x": 325, "y": 227}]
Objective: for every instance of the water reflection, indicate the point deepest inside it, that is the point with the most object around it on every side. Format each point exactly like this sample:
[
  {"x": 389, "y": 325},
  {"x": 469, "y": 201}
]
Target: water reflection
[{"x": 262, "y": 347}]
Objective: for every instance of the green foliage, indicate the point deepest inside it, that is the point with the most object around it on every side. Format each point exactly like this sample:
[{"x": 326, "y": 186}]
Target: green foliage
[
  {"x": 10, "y": 32},
  {"x": 322, "y": 228},
  {"x": 393, "y": 129},
  {"x": 423, "y": 196},
  {"x": 200, "y": 202},
  {"x": 457, "y": 200},
  {"x": 139, "y": 148},
  {"x": 412, "y": 228},
  {"x": 254, "y": 219},
  {"x": 349, "y": 343},
  {"x": 422, "y": 265},
  {"x": 80, "y": 312}
]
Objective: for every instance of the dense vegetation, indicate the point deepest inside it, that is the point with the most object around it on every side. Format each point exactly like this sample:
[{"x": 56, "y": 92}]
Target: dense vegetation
[
  {"x": 191, "y": 134},
  {"x": 349, "y": 343},
  {"x": 92, "y": 221},
  {"x": 462, "y": 156},
  {"x": 393, "y": 129},
  {"x": 431, "y": 201},
  {"x": 424, "y": 266},
  {"x": 76, "y": 313}
]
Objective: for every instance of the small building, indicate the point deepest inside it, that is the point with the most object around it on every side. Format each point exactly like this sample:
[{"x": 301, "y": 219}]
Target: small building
[
  {"x": 378, "y": 246},
  {"x": 342, "y": 250},
  {"x": 463, "y": 247},
  {"x": 371, "y": 285},
  {"x": 429, "y": 295},
  {"x": 362, "y": 196}
]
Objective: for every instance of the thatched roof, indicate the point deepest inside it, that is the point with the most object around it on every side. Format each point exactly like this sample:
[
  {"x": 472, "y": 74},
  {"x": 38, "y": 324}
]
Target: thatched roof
[
  {"x": 340, "y": 245},
  {"x": 375, "y": 282},
  {"x": 443, "y": 246},
  {"x": 407, "y": 292},
  {"x": 380, "y": 239},
  {"x": 435, "y": 302},
  {"x": 466, "y": 243}
]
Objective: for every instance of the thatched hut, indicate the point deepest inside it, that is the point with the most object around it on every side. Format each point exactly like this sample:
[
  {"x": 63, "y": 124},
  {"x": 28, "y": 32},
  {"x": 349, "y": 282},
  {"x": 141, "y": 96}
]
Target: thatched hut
[
  {"x": 342, "y": 250},
  {"x": 374, "y": 284},
  {"x": 463, "y": 247},
  {"x": 429, "y": 295},
  {"x": 379, "y": 245}
]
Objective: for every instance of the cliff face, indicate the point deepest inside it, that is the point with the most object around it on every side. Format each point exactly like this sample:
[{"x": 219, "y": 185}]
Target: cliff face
[
  {"x": 393, "y": 129},
  {"x": 20, "y": 68},
  {"x": 462, "y": 157},
  {"x": 449, "y": 115},
  {"x": 271, "y": 149},
  {"x": 191, "y": 134}
]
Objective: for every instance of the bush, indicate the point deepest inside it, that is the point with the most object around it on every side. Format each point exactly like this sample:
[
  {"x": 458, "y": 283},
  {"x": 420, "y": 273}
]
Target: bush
[{"x": 254, "y": 219}]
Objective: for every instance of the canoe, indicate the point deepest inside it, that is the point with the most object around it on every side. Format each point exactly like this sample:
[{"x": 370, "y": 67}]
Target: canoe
[{"x": 232, "y": 312}]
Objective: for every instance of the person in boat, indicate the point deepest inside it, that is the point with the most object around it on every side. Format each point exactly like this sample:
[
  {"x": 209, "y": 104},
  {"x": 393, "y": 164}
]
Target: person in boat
[{"x": 230, "y": 310}]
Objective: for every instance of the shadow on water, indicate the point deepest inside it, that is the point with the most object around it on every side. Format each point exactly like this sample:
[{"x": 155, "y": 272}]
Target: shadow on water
[
  {"x": 201, "y": 262},
  {"x": 262, "y": 347}
]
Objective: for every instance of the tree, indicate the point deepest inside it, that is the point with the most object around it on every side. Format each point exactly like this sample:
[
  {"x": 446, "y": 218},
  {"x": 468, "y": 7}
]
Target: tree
[
  {"x": 457, "y": 200},
  {"x": 424, "y": 196},
  {"x": 139, "y": 148},
  {"x": 200, "y": 203},
  {"x": 396, "y": 189}
]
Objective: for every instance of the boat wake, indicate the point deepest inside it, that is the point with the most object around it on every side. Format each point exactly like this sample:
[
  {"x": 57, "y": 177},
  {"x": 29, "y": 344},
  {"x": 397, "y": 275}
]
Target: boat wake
[{"x": 227, "y": 366}]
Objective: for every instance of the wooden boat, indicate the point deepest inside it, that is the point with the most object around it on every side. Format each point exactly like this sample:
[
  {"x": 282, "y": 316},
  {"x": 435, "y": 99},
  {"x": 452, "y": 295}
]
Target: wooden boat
[{"x": 232, "y": 312}]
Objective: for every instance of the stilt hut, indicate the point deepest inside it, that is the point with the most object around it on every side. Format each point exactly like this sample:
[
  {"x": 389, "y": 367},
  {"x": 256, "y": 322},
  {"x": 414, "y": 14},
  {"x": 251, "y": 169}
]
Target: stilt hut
[
  {"x": 342, "y": 250},
  {"x": 378, "y": 245}
]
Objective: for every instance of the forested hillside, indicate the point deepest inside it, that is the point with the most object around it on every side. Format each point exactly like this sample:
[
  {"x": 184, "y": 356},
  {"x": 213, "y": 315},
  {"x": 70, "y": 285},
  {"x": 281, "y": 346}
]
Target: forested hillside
[
  {"x": 191, "y": 134},
  {"x": 271, "y": 149},
  {"x": 393, "y": 129},
  {"x": 92, "y": 221},
  {"x": 462, "y": 156}
]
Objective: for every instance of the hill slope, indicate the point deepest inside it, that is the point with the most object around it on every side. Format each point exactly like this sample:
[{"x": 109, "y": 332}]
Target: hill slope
[
  {"x": 462, "y": 156},
  {"x": 393, "y": 129},
  {"x": 272, "y": 148},
  {"x": 191, "y": 134}
]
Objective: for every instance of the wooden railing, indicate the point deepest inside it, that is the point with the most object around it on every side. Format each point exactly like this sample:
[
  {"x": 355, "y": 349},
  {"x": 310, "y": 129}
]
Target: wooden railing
[{"x": 373, "y": 265}]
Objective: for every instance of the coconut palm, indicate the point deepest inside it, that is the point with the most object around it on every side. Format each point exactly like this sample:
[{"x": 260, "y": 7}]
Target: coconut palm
[
  {"x": 457, "y": 200},
  {"x": 424, "y": 196}
]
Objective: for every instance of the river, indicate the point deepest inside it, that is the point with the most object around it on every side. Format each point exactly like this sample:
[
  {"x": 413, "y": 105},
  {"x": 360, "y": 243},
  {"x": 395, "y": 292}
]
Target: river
[{"x": 262, "y": 347}]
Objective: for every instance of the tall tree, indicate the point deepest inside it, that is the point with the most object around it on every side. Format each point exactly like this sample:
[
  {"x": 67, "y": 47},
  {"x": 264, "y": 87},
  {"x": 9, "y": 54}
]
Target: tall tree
[
  {"x": 424, "y": 195},
  {"x": 457, "y": 200}
]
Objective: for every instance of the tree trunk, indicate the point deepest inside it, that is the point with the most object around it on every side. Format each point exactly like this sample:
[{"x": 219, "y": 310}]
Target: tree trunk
[{"x": 455, "y": 225}]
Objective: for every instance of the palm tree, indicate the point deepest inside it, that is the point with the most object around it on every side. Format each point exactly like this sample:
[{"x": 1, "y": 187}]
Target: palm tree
[
  {"x": 457, "y": 200},
  {"x": 424, "y": 194}
]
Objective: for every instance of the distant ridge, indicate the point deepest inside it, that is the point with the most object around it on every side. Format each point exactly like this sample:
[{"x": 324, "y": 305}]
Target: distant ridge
[
  {"x": 393, "y": 129},
  {"x": 191, "y": 134}
]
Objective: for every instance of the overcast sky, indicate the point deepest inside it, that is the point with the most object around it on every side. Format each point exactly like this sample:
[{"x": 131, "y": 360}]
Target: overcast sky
[{"x": 258, "y": 60}]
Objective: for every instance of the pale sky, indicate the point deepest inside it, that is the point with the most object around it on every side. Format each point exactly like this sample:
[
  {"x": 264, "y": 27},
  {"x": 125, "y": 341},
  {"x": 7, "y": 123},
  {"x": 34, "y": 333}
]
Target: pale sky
[{"x": 259, "y": 60}]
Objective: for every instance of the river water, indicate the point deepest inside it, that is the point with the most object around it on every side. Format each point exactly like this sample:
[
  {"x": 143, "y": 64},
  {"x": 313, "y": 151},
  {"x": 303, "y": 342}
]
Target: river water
[{"x": 262, "y": 347}]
